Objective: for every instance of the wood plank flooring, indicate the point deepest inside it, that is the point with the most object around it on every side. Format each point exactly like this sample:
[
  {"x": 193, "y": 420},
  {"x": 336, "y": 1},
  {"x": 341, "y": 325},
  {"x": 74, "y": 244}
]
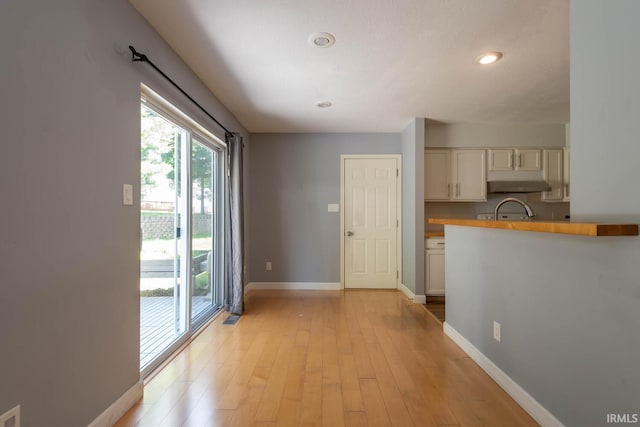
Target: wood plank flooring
[
  {"x": 436, "y": 306},
  {"x": 325, "y": 358},
  {"x": 157, "y": 324}
]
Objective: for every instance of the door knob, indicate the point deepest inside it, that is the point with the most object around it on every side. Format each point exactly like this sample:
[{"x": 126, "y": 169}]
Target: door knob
[{"x": 349, "y": 233}]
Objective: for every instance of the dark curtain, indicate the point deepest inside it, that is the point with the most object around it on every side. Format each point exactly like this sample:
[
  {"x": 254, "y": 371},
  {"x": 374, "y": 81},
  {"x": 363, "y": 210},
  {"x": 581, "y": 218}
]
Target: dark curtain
[{"x": 234, "y": 233}]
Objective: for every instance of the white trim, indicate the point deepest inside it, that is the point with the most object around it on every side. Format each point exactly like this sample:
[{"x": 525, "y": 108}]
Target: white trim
[
  {"x": 120, "y": 407},
  {"x": 417, "y": 299},
  {"x": 420, "y": 299},
  {"x": 175, "y": 114},
  {"x": 524, "y": 399},
  {"x": 398, "y": 158},
  {"x": 319, "y": 286}
]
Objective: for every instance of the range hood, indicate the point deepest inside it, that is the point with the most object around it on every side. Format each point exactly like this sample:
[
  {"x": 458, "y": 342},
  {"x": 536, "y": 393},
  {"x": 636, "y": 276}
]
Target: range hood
[{"x": 517, "y": 186}]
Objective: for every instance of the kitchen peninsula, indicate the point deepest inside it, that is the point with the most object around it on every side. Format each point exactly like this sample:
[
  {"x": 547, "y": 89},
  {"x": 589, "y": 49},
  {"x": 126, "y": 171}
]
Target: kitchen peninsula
[{"x": 558, "y": 227}]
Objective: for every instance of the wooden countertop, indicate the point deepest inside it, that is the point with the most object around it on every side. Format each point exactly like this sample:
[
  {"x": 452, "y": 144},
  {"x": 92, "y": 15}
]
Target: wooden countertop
[
  {"x": 560, "y": 227},
  {"x": 428, "y": 234}
]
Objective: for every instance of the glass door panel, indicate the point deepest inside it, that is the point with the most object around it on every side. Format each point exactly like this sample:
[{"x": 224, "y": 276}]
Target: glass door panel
[
  {"x": 163, "y": 224},
  {"x": 204, "y": 257}
]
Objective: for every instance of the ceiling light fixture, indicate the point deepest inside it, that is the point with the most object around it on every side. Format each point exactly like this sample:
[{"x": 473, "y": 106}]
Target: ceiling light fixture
[
  {"x": 488, "y": 58},
  {"x": 321, "y": 39},
  {"x": 324, "y": 104}
]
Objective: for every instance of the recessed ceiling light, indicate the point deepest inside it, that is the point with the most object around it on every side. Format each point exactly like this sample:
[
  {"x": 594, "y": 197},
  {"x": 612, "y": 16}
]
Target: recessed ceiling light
[
  {"x": 488, "y": 58},
  {"x": 321, "y": 39},
  {"x": 324, "y": 104}
]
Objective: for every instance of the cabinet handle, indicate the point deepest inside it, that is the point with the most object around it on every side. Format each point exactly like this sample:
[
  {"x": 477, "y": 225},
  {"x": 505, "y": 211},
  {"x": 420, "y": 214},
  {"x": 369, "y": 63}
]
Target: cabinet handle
[
  {"x": 448, "y": 190},
  {"x": 510, "y": 160},
  {"x": 457, "y": 189},
  {"x": 440, "y": 243},
  {"x": 519, "y": 160}
]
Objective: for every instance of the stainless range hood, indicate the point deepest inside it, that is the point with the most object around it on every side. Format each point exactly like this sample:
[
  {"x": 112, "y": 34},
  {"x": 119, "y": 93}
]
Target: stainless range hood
[{"x": 517, "y": 186}]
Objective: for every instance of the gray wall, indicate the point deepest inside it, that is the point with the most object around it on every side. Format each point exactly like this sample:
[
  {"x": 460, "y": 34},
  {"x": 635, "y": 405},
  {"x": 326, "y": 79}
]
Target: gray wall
[
  {"x": 413, "y": 206},
  {"x": 69, "y": 326},
  {"x": 293, "y": 178},
  {"x": 568, "y": 305},
  {"x": 493, "y": 135}
]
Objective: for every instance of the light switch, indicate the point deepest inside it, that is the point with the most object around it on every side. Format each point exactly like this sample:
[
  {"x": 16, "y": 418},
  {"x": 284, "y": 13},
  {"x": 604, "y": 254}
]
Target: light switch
[
  {"x": 333, "y": 207},
  {"x": 127, "y": 194}
]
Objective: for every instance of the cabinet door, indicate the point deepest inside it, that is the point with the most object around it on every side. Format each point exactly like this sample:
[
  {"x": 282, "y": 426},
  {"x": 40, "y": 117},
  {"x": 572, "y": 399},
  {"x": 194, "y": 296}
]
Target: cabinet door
[
  {"x": 469, "y": 175},
  {"x": 500, "y": 160},
  {"x": 528, "y": 160},
  {"x": 436, "y": 174},
  {"x": 553, "y": 174},
  {"x": 435, "y": 281},
  {"x": 565, "y": 155}
]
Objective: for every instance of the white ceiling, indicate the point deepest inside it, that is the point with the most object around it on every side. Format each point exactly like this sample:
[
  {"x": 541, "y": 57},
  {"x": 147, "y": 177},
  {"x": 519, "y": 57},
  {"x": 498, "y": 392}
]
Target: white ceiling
[{"x": 393, "y": 60}]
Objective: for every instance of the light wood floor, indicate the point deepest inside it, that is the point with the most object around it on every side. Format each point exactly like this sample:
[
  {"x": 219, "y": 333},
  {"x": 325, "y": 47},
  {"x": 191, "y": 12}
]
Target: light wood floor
[
  {"x": 436, "y": 306},
  {"x": 329, "y": 358}
]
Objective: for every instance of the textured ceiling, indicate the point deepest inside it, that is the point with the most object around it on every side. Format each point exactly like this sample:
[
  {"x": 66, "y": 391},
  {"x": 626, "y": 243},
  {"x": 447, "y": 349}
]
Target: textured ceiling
[{"x": 393, "y": 60}]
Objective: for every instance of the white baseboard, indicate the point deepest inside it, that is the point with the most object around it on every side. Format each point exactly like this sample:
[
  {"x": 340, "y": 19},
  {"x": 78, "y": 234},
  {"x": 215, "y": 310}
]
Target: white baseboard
[
  {"x": 418, "y": 299},
  {"x": 524, "y": 399},
  {"x": 120, "y": 407},
  {"x": 318, "y": 286}
]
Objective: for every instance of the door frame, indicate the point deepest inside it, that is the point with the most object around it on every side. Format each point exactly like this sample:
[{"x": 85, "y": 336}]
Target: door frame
[
  {"x": 398, "y": 158},
  {"x": 155, "y": 102}
]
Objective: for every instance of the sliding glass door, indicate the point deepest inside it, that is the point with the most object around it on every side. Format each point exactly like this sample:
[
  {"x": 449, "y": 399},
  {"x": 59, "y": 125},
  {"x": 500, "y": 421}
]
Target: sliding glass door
[
  {"x": 205, "y": 195},
  {"x": 181, "y": 202}
]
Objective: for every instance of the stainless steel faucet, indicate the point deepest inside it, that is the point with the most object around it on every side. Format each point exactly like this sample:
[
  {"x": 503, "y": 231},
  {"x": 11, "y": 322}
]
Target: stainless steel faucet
[{"x": 526, "y": 207}]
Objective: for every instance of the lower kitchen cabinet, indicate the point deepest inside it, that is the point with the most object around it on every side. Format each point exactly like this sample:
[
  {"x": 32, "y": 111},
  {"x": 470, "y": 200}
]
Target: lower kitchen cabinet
[{"x": 434, "y": 266}]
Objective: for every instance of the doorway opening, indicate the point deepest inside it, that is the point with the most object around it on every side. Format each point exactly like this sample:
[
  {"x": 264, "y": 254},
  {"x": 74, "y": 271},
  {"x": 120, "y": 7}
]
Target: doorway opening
[
  {"x": 370, "y": 193},
  {"x": 181, "y": 223}
]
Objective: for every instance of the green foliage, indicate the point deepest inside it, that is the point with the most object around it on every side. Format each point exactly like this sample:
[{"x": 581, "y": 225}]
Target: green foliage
[
  {"x": 157, "y": 138},
  {"x": 202, "y": 284},
  {"x": 156, "y": 213},
  {"x": 160, "y": 155},
  {"x": 159, "y": 292}
]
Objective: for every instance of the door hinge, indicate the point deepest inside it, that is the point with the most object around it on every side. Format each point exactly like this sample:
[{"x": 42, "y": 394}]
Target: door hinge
[{"x": 397, "y": 172}]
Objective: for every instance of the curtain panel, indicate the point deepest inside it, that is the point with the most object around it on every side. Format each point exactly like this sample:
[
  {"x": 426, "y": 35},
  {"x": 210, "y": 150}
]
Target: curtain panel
[{"x": 234, "y": 233}]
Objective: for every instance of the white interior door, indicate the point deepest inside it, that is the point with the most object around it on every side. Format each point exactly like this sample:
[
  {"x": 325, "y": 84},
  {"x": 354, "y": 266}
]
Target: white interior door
[{"x": 370, "y": 222}]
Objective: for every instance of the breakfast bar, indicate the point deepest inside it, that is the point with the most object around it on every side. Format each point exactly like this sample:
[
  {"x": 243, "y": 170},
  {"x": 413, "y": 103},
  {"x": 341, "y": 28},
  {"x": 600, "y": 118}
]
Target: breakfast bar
[{"x": 557, "y": 227}]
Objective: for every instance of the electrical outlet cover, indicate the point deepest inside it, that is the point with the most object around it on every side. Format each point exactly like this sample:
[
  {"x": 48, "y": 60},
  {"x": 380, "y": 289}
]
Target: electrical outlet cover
[{"x": 496, "y": 331}]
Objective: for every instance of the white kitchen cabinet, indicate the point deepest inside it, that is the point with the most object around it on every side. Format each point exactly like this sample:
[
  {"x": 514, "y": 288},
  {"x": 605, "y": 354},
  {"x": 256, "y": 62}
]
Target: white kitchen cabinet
[
  {"x": 553, "y": 174},
  {"x": 565, "y": 174},
  {"x": 434, "y": 266},
  {"x": 516, "y": 159},
  {"x": 455, "y": 175},
  {"x": 437, "y": 173},
  {"x": 469, "y": 175}
]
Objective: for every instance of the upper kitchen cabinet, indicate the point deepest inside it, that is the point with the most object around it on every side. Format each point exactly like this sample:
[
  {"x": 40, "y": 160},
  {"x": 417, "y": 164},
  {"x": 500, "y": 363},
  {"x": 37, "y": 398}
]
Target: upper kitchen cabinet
[
  {"x": 455, "y": 175},
  {"x": 565, "y": 173},
  {"x": 437, "y": 173},
  {"x": 553, "y": 174},
  {"x": 469, "y": 174},
  {"x": 514, "y": 159}
]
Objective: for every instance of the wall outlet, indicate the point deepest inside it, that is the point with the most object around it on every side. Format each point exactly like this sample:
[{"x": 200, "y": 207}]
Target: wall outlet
[
  {"x": 267, "y": 267},
  {"x": 496, "y": 331},
  {"x": 11, "y": 418}
]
